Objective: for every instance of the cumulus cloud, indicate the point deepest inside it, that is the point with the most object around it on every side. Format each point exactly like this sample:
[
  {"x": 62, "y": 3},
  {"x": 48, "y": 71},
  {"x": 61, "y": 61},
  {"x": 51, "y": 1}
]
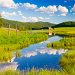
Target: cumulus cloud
[
  {"x": 42, "y": 9},
  {"x": 20, "y": 13},
  {"x": 34, "y": 19},
  {"x": 73, "y": 9},
  {"x": 12, "y": 4},
  {"x": 31, "y": 19},
  {"x": 49, "y": 10},
  {"x": 8, "y": 14},
  {"x": 29, "y": 6},
  {"x": 52, "y": 9},
  {"x": 8, "y": 3},
  {"x": 63, "y": 10}
]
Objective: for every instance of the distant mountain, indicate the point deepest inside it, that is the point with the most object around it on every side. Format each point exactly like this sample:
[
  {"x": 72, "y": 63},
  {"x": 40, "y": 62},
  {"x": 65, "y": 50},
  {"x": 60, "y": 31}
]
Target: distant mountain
[
  {"x": 26, "y": 25},
  {"x": 65, "y": 24}
]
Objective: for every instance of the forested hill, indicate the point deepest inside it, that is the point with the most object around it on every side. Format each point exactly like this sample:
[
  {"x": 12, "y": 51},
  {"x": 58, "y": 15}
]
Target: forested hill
[
  {"x": 65, "y": 24},
  {"x": 34, "y": 25},
  {"x": 26, "y": 25}
]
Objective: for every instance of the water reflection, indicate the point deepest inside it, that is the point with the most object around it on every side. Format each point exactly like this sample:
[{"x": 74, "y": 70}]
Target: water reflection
[
  {"x": 29, "y": 54},
  {"x": 39, "y": 56},
  {"x": 45, "y": 51}
]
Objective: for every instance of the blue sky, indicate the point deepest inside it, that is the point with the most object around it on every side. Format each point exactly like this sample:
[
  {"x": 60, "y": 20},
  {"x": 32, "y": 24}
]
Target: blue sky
[{"x": 54, "y": 11}]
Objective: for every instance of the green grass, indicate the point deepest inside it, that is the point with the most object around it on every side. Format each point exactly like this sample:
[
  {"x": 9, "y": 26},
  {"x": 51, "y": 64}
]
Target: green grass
[
  {"x": 10, "y": 72},
  {"x": 34, "y": 72},
  {"x": 67, "y": 61},
  {"x": 65, "y": 30},
  {"x": 66, "y": 43},
  {"x": 9, "y": 43}
]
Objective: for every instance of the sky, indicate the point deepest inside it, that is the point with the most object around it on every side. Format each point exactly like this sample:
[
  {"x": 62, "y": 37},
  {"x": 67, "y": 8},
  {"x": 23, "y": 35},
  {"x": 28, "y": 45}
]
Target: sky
[{"x": 53, "y": 11}]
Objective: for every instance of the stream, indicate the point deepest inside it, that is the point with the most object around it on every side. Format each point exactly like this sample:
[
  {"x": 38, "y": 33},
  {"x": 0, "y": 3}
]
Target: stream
[{"x": 39, "y": 56}]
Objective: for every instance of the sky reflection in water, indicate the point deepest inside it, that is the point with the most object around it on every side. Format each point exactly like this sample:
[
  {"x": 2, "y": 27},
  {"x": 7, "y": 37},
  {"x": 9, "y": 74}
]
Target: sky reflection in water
[{"x": 39, "y": 56}]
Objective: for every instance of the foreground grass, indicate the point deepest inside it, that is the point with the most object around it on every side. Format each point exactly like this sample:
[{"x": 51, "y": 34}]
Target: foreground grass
[
  {"x": 34, "y": 72},
  {"x": 9, "y": 43},
  {"x": 68, "y": 62},
  {"x": 10, "y": 72}
]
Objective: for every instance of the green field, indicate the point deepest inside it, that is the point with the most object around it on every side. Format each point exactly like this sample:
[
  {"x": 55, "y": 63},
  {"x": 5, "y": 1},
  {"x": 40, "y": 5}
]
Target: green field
[
  {"x": 64, "y": 30},
  {"x": 13, "y": 42},
  {"x": 25, "y": 38}
]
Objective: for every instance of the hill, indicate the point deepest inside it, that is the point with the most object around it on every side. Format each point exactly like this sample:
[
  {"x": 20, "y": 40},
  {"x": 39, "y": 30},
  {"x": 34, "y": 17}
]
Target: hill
[
  {"x": 65, "y": 24},
  {"x": 26, "y": 25},
  {"x": 35, "y": 25}
]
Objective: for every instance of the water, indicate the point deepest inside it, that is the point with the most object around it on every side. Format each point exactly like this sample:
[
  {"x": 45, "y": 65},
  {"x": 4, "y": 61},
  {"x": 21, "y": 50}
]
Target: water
[{"x": 39, "y": 56}]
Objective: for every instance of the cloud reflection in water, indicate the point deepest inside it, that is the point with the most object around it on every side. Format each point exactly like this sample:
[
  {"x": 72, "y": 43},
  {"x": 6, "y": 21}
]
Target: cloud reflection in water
[{"x": 45, "y": 51}]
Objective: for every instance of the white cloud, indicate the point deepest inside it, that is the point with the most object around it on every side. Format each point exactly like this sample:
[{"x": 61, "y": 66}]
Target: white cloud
[
  {"x": 63, "y": 14},
  {"x": 29, "y": 6},
  {"x": 20, "y": 13},
  {"x": 42, "y": 18},
  {"x": 63, "y": 10},
  {"x": 12, "y": 4},
  {"x": 8, "y": 3},
  {"x": 34, "y": 19},
  {"x": 73, "y": 9},
  {"x": 49, "y": 10},
  {"x": 52, "y": 9},
  {"x": 42, "y": 9},
  {"x": 8, "y": 14}
]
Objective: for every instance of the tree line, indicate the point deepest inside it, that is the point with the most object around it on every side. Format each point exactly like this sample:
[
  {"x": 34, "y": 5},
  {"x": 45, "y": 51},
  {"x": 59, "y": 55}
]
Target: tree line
[
  {"x": 65, "y": 24},
  {"x": 26, "y": 25},
  {"x": 33, "y": 25}
]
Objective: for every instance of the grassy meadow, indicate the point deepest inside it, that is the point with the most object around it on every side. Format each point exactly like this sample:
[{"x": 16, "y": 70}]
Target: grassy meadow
[
  {"x": 25, "y": 38},
  {"x": 11, "y": 42},
  {"x": 64, "y": 31}
]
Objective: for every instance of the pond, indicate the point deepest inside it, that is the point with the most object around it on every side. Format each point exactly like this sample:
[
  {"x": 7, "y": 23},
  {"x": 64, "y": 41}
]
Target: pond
[{"x": 39, "y": 56}]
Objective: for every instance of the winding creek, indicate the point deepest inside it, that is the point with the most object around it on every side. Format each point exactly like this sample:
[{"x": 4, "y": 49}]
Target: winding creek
[{"x": 39, "y": 56}]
